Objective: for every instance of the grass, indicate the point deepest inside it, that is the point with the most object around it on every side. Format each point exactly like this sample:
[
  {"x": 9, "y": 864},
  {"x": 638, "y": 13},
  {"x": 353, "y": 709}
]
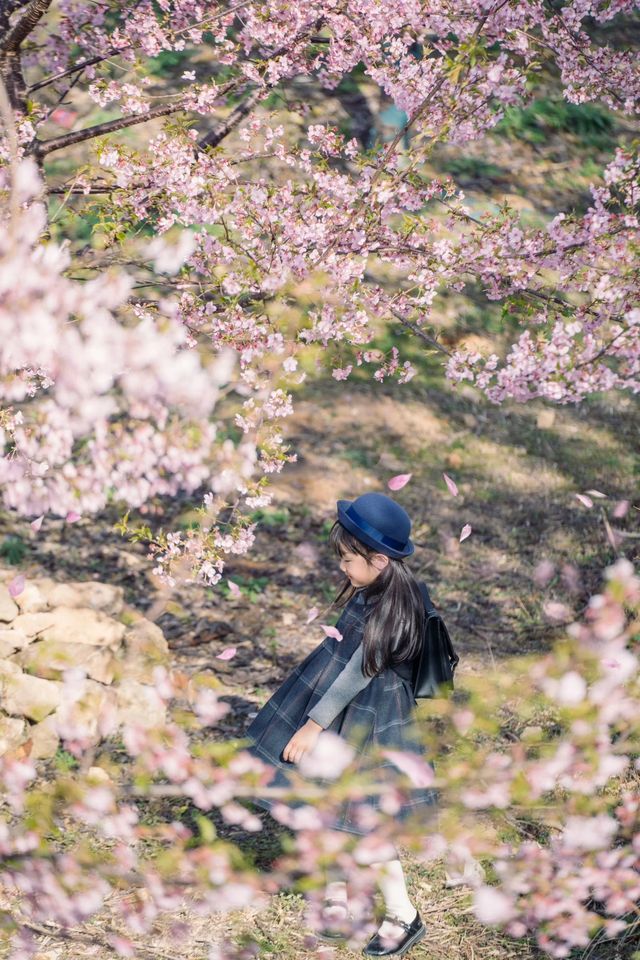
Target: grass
[{"x": 592, "y": 125}]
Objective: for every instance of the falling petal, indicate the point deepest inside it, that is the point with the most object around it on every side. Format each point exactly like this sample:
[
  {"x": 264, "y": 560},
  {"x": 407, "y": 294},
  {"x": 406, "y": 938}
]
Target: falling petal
[
  {"x": 227, "y": 654},
  {"x": 453, "y": 489},
  {"x": 621, "y": 508},
  {"x": 331, "y": 631},
  {"x": 417, "y": 769},
  {"x": 16, "y": 586},
  {"x": 398, "y": 482},
  {"x": 72, "y": 516},
  {"x": 613, "y": 536},
  {"x": 583, "y": 498},
  {"x": 36, "y": 524},
  {"x": 597, "y": 494},
  {"x": 313, "y": 613},
  {"x": 465, "y": 532},
  {"x": 234, "y": 589}
]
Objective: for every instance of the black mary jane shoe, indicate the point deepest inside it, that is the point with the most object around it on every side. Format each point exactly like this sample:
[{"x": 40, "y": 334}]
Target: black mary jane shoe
[
  {"x": 415, "y": 932},
  {"x": 336, "y": 932}
]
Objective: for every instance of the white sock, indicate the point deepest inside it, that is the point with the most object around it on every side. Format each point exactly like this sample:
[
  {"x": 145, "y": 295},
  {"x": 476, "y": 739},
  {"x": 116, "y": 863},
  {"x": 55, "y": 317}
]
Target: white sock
[
  {"x": 394, "y": 890},
  {"x": 336, "y": 890}
]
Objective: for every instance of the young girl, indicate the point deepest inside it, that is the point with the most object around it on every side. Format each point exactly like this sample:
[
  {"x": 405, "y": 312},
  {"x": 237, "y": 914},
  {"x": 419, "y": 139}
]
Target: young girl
[{"x": 359, "y": 687}]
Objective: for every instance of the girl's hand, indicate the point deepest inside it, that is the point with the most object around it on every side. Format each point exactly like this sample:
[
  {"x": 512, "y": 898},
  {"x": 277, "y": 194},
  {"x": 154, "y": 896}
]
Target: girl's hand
[{"x": 303, "y": 739}]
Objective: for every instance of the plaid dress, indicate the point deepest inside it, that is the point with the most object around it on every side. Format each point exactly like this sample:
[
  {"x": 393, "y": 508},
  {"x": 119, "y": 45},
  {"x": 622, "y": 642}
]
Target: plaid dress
[{"x": 382, "y": 714}]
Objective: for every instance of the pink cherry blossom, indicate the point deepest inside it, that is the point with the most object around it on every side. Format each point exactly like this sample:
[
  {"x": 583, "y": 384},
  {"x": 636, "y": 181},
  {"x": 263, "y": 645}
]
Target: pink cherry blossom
[
  {"x": 330, "y": 756},
  {"x": 492, "y": 906},
  {"x": 419, "y": 772}
]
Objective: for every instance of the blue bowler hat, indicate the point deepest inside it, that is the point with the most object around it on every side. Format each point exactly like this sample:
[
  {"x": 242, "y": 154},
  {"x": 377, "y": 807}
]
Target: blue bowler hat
[{"x": 379, "y": 522}]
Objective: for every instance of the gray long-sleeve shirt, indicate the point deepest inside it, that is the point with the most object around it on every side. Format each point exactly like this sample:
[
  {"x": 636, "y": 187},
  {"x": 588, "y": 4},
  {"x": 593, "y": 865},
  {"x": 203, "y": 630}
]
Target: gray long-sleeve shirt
[{"x": 349, "y": 682}]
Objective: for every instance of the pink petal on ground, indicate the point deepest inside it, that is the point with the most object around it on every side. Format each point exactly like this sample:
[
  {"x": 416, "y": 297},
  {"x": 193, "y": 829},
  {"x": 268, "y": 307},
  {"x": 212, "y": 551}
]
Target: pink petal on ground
[
  {"x": 583, "y": 498},
  {"x": 16, "y": 586},
  {"x": 597, "y": 494},
  {"x": 36, "y": 524},
  {"x": 418, "y": 771},
  {"x": 398, "y": 482},
  {"x": 557, "y": 612},
  {"x": 234, "y": 589},
  {"x": 465, "y": 532},
  {"x": 544, "y": 572},
  {"x": 313, "y": 613},
  {"x": 227, "y": 654},
  {"x": 72, "y": 516},
  {"x": 331, "y": 631},
  {"x": 621, "y": 508},
  {"x": 453, "y": 489}
]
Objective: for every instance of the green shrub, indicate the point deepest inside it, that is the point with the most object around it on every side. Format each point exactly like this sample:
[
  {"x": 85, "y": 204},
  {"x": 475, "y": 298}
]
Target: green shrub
[
  {"x": 593, "y": 125},
  {"x": 13, "y": 549}
]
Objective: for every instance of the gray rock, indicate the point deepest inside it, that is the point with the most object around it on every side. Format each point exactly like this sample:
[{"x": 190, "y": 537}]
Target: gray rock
[
  {"x": 32, "y": 624},
  {"x": 8, "y": 608},
  {"x": 25, "y": 696},
  {"x": 14, "y": 639},
  {"x": 12, "y": 733},
  {"x": 86, "y": 593},
  {"x": 44, "y": 739},
  {"x": 139, "y": 704},
  {"x": 145, "y": 648},
  {"x": 50, "y": 658},
  {"x": 32, "y": 599},
  {"x": 82, "y": 625}
]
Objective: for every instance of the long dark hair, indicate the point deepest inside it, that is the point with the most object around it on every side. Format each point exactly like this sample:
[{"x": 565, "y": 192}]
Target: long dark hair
[{"x": 394, "y": 627}]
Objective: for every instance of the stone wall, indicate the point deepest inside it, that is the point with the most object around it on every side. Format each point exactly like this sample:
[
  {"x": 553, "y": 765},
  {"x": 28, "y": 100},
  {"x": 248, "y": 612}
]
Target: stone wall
[{"x": 52, "y": 626}]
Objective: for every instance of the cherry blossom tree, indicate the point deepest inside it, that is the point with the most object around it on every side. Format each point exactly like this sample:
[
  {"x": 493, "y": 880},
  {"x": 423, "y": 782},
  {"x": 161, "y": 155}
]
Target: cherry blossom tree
[
  {"x": 243, "y": 207},
  {"x": 114, "y": 357}
]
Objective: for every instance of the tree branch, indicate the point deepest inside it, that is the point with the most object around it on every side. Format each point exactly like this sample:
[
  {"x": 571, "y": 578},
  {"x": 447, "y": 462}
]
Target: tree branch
[
  {"x": 44, "y": 147},
  {"x": 215, "y": 136},
  {"x": 32, "y": 15},
  {"x": 420, "y": 333}
]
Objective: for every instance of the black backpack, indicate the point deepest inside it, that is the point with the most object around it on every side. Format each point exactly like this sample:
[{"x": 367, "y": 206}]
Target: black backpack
[{"x": 434, "y": 666}]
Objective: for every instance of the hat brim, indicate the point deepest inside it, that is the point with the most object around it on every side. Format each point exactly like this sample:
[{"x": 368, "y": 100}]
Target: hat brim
[{"x": 348, "y": 524}]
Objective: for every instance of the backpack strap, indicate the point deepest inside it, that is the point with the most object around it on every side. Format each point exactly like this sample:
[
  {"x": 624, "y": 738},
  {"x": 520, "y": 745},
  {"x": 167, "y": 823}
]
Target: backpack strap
[
  {"x": 444, "y": 633},
  {"x": 425, "y": 596}
]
